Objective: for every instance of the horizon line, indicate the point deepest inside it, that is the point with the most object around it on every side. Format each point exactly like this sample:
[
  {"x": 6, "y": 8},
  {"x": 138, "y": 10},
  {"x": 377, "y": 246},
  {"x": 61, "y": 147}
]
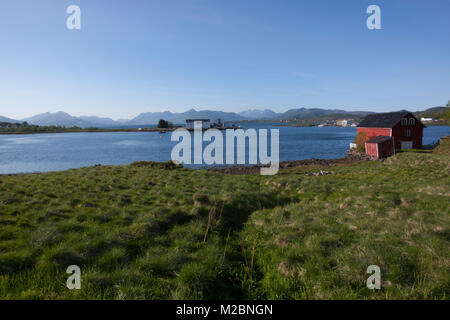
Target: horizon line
[{"x": 416, "y": 109}]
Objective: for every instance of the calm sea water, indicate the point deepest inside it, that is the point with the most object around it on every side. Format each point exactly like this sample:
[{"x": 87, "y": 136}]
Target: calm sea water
[{"x": 60, "y": 151}]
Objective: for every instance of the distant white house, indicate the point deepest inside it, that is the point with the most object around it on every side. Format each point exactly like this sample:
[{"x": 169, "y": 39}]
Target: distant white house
[
  {"x": 206, "y": 123},
  {"x": 426, "y": 119}
]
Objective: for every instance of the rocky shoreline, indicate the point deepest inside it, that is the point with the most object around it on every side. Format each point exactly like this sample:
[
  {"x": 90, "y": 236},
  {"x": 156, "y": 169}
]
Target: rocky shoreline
[{"x": 352, "y": 156}]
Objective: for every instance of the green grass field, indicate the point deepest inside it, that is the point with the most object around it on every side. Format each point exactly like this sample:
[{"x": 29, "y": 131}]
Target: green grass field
[{"x": 156, "y": 231}]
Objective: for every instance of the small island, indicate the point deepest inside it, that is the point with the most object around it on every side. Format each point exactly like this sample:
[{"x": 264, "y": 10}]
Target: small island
[{"x": 25, "y": 128}]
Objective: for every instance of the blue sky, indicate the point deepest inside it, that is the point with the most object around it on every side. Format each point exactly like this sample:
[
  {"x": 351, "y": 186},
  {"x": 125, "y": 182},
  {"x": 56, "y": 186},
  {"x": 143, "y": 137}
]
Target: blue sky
[{"x": 140, "y": 55}]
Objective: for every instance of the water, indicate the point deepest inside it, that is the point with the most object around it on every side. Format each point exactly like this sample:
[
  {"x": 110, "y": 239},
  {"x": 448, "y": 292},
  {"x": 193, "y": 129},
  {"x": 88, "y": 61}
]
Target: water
[{"x": 60, "y": 151}]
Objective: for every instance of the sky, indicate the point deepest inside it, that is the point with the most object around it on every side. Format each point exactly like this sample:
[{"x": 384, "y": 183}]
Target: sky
[{"x": 142, "y": 56}]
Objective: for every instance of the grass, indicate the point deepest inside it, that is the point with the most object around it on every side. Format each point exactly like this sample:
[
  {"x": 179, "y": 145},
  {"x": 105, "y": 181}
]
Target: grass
[{"x": 157, "y": 231}]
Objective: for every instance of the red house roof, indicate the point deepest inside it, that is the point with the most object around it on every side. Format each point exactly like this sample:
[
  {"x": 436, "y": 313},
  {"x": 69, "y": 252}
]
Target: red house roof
[
  {"x": 379, "y": 139},
  {"x": 385, "y": 120}
]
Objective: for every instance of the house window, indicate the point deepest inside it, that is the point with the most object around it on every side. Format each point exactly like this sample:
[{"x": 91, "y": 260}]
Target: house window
[
  {"x": 411, "y": 121},
  {"x": 414, "y": 142},
  {"x": 407, "y": 133},
  {"x": 404, "y": 122}
]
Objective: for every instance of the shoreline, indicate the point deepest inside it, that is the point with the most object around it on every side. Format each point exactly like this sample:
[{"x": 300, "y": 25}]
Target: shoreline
[
  {"x": 160, "y": 130},
  {"x": 350, "y": 158},
  {"x": 164, "y": 130},
  {"x": 231, "y": 169}
]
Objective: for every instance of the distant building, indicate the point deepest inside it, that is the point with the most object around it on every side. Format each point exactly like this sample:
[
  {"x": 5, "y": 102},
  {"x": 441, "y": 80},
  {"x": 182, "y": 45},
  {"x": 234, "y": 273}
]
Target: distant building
[
  {"x": 342, "y": 123},
  {"x": 206, "y": 123},
  {"x": 426, "y": 119},
  {"x": 403, "y": 126},
  {"x": 218, "y": 124}
]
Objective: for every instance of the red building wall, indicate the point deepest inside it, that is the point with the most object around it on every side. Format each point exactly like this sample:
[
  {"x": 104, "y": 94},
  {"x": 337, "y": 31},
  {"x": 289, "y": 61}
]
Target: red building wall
[
  {"x": 371, "y": 150},
  {"x": 380, "y": 150},
  {"x": 365, "y": 134},
  {"x": 386, "y": 149},
  {"x": 399, "y": 134}
]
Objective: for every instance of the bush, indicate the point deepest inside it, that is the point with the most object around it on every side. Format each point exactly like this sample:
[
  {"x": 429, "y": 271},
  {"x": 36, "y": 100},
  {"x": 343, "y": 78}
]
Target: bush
[
  {"x": 361, "y": 138},
  {"x": 164, "y": 124}
]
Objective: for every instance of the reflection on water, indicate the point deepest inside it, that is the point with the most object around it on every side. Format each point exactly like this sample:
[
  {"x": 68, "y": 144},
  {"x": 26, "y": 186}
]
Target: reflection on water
[
  {"x": 25, "y": 139},
  {"x": 129, "y": 143}
]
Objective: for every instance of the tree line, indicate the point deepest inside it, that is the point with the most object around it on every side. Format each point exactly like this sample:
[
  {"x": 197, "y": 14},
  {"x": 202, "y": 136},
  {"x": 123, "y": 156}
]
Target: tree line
[{"x": 24, "y": 127}]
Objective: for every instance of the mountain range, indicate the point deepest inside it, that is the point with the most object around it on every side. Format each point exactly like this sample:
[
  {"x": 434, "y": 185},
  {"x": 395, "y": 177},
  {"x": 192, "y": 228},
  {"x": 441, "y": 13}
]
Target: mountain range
[{"x": 152, "y": 118}]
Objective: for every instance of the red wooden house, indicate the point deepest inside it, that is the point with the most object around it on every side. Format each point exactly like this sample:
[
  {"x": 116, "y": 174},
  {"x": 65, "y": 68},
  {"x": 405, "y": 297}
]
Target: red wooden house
[{"x": 405, "y": 129}]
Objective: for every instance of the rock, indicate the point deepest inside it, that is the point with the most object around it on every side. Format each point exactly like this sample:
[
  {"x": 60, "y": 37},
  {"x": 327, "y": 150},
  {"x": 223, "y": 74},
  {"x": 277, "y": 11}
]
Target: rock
[
  {"x": 319, "y": 173},
  {"x": 355, "y": 155}
]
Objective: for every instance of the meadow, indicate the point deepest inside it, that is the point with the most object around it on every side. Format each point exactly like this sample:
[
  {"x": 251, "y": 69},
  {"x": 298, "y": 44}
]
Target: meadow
[{"x": 159, "y": 231}]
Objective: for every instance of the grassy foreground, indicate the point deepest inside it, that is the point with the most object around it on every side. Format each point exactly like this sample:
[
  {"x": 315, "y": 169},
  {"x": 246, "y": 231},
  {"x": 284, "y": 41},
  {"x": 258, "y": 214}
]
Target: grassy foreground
[{"x": 155, "y": 231}]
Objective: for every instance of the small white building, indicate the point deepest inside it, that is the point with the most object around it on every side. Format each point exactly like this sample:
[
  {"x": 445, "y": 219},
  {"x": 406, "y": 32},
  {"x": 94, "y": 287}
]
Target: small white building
[
  {"x": 206, "y": 123},
  {"x": 426, "y": 119},
  {"x": 342, "y": 123}
]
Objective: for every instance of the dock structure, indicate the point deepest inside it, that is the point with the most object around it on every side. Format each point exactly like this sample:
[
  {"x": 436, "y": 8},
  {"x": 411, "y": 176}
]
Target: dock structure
[{"x": 205, "y": 123}]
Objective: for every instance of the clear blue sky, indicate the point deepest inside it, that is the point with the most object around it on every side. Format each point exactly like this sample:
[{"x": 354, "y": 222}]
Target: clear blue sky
[{"x": 142, "y": 55}]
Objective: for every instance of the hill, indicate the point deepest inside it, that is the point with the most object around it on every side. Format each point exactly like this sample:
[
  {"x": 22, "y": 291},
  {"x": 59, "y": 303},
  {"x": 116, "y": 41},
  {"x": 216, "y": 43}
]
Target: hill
[
  {"x": 255, "y": 114},
  {"x": 5, "y": 119},
  {"x": 98, "y": 121},
  {"x": 64, "y": 119},
  {"x": 316, "y": 113},
  {"x": 58, "y": 118},
  {"x": 434, "y": 112}
]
